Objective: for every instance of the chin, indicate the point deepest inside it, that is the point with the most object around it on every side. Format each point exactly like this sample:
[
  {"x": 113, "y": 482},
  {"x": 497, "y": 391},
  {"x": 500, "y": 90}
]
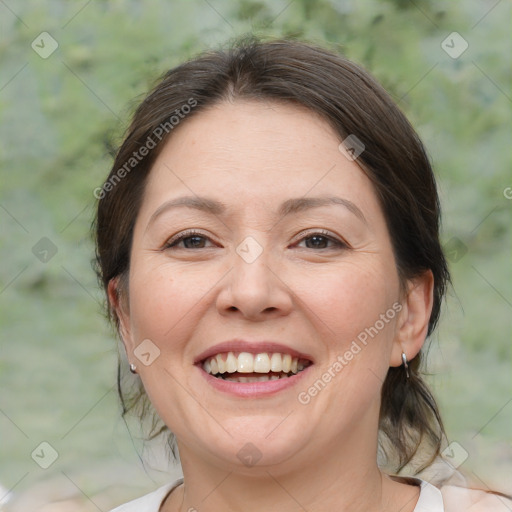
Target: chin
[{"x": 260, "y": 442}]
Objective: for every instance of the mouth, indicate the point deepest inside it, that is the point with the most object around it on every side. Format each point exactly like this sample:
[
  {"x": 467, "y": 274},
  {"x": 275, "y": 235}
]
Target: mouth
[
  {"x": 246, "y": 367},
  {"x": 252, "y": 369}
]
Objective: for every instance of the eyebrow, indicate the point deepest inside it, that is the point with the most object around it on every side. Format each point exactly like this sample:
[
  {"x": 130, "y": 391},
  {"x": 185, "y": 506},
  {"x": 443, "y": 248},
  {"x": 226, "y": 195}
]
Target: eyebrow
[{"x": 288, "y": 207}]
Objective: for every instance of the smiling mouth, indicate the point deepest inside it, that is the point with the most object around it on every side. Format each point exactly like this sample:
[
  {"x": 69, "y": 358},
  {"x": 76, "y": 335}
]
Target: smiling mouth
[{"x": 247, "y": 367}]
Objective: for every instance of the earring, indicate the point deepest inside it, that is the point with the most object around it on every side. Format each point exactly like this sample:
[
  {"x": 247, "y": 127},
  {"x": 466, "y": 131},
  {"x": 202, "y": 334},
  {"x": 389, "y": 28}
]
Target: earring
[
  {"x": 406, "y": 366},
  {"x": 133, "y": 368}
]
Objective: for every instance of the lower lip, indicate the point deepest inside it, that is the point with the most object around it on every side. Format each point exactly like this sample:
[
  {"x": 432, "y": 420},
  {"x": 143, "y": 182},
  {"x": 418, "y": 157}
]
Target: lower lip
[{"x": 253, "y": 389}]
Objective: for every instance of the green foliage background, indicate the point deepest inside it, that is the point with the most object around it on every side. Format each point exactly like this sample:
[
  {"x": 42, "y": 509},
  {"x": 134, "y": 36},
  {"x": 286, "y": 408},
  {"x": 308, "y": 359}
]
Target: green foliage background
[{"x": 60, "y": 118}]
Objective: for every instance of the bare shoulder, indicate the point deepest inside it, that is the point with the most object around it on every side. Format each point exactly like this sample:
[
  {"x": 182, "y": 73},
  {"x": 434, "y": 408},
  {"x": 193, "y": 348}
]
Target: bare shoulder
[{"x": 461, "y": 499}]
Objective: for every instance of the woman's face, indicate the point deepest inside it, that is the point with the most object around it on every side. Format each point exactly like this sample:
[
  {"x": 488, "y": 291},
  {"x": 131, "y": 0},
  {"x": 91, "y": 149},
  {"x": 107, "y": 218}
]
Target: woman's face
[{"x": 289, "y": 255}]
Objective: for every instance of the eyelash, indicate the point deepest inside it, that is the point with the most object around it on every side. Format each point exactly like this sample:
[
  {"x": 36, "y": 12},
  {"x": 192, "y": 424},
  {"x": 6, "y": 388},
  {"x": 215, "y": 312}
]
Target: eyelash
[{"x": 192, "y": 233}]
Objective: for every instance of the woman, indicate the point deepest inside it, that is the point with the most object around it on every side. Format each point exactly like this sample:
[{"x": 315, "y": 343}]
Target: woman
[{"x": 268, "y": 241}]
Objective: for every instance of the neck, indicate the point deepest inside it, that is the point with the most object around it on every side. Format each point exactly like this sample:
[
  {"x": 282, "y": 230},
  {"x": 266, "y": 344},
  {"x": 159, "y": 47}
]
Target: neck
[
  {"x": 345, "y": 478},
  {"x": 232, "y": 492}
]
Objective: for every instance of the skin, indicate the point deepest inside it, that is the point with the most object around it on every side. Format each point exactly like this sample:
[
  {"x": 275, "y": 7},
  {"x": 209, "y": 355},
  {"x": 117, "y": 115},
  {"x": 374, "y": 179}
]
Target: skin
[{"x": 252, "y": 156}]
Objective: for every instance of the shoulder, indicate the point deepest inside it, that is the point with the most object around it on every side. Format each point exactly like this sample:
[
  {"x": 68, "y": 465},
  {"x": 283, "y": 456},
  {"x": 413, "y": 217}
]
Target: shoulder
[
  {"x": 460, "y": 492},
  {"x": 149, "y": 502},
  {"x": 460, "y": 499}
]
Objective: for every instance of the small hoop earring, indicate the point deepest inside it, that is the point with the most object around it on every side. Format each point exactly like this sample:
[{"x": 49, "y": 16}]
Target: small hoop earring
[
  {"x": 406, "y": 366},
  {"x": 133, "y": 368}
]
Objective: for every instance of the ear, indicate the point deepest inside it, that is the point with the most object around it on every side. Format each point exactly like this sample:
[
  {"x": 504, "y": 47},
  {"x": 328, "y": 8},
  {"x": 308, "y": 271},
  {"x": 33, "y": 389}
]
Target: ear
[
  {"x": 118, "y": 299},
  {"x": 414, "y": 317}
]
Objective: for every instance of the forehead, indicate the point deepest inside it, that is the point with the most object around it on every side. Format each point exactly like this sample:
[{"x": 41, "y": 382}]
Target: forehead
[{"x": 250, "y": 153}]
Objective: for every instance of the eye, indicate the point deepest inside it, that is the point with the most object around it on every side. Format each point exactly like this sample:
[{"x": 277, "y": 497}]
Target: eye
[
  {"x": 191, "y": 240},
  {"x": 321, "y": 239}
]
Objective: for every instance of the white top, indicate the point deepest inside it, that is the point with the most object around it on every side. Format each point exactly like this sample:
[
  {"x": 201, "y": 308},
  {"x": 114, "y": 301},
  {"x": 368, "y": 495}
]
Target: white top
[{"x": 430, "y": 499}]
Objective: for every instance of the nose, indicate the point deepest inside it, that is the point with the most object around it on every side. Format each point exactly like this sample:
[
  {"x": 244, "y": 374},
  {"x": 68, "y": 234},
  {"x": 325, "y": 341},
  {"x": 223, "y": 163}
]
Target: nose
[{"x": 253, "y": 290}]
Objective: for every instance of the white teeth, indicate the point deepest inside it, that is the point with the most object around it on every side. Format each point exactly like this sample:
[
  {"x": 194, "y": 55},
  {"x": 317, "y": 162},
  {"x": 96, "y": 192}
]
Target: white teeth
[
  {"x": 263, "y": 378},
  {"x": 231, "y": 363},
  {"x": 264, "y": 363},
  {"x": 221, "y": 364},
  {"x": 276, "y": 363},
  {"x": 245, "y": 362}
]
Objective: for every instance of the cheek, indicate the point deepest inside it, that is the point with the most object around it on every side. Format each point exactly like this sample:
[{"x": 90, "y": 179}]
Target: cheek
[
  {"x": 355, "y": 313},
  {"x": 161, "y": 298},
  {"x": 349, "y": 298}
]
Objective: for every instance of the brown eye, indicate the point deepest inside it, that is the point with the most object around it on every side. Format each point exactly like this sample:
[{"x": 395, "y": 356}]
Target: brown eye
[
  {"x": 321, "y": 240},
  {"x": 190, "y": 239}
]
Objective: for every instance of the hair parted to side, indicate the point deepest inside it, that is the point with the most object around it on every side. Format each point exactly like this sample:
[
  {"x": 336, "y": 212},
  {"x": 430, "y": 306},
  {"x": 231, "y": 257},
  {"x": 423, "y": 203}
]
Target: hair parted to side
[{"x": 394, "y": 159}]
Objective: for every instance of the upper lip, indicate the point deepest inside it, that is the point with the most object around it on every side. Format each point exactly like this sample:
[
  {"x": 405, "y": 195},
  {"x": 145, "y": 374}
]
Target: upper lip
[{"x": 253, "y": 347}]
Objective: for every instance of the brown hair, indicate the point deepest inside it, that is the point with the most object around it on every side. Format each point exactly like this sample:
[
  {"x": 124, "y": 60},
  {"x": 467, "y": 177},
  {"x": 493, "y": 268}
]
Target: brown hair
[{"x": 353, "y": 103}]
